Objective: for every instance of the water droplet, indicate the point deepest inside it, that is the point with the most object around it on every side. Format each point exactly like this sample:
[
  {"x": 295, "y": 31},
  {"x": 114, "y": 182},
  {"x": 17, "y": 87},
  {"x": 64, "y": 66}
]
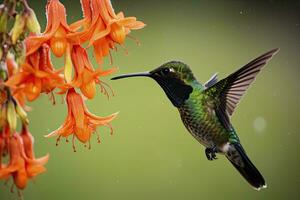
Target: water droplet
[{"x": 259, "y": 124}]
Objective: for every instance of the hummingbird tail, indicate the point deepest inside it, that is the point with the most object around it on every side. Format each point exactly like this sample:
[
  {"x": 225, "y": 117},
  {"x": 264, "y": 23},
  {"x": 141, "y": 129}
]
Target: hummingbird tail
[{"x": 237, "y": 156}]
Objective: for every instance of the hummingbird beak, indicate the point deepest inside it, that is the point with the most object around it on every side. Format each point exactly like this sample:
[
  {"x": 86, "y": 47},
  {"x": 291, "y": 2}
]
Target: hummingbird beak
[{"x": 147, "y": 74}]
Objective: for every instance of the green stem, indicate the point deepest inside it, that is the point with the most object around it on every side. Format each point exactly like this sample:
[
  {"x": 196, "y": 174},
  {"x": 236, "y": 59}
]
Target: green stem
[{"x": 9, "y": 7}]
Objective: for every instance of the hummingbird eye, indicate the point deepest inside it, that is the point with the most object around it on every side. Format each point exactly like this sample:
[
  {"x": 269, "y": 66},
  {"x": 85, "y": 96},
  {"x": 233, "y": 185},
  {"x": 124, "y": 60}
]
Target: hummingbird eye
[{"x": 165, "y": 71}]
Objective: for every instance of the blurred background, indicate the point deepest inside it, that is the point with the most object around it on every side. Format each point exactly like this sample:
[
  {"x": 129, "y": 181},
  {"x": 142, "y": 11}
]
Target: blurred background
[{"x": 151, "y": 155}]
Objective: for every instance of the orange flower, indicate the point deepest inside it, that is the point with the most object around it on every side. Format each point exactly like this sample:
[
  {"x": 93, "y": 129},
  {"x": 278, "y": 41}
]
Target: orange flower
[
  {"x": 84, "y": 23},
  {"x": 36, "y": 76},
  {"x": 21, "y": 167},
  {"x": 55, "y": 32},
  {"x": 105, "y": 27},
  {"x": 117, "y": 27},
  {"x": 34, "y": 166},
  {"x": 85, "y": 77},
  {"x": 16, "y": 167},
  {"x": 79, "y": 122}
]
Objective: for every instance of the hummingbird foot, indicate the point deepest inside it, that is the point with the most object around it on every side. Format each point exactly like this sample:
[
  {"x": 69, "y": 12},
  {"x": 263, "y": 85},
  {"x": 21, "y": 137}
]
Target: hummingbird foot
[{"x": 211, "y": 153}]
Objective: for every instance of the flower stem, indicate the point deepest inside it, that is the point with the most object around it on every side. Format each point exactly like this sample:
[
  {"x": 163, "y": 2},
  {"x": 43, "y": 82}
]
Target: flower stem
[{"x": 7, "y": 11}]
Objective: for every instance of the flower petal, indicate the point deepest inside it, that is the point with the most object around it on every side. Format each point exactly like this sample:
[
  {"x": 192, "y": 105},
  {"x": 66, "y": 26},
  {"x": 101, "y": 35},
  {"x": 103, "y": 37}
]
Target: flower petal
[{"x": 75, "y": 103}]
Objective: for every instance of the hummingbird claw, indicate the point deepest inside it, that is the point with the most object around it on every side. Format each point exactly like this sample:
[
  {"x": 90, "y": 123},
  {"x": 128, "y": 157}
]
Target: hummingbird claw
[{"x": 211, "y": 153}]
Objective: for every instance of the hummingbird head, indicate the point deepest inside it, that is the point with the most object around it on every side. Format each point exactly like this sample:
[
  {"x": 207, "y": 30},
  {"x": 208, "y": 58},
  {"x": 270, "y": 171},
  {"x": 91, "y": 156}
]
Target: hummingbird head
[{"x": 174, "y": 77}]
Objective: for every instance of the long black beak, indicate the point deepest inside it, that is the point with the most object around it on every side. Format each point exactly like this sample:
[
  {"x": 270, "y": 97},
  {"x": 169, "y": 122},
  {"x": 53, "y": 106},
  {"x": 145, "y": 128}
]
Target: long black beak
[{"x": 147, "y": 74}]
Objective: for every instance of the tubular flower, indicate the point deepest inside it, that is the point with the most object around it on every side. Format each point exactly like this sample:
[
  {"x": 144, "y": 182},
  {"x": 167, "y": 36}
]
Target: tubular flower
[
  {"x": 20, "y": 167},
  {"x": 82, "y": 24},
  {"x": 55, "y": 32},
  {"x": 27, "y": 71},
  {"x": 34, "y": 166},
  {"x": 16, "y": 167},
  {"x": 117, "y": 28},
  {"x": 36, "y": 76},
  {"x": 106, "y": 28},
  {"x": 79, "y": 122},
  {"x": 85, "y": 77}
]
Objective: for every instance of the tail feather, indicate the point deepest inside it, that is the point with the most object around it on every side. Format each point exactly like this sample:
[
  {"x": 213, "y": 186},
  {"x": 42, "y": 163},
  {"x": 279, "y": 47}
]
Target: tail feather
[{"x": 237, "y": 156}]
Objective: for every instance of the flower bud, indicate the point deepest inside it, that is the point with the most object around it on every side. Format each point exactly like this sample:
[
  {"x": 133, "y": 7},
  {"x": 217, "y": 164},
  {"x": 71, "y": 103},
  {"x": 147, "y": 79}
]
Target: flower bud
[
  {"x": 32, "y": 23},
  {"x": 20, "y": 52},
  {"x": 22, "y": 114},
  {"x": 3, "y": 21},
  {"x": 68, "y": 66},
  {"x": 18, "y": 28},
  {"x": 11, "y": 116}
]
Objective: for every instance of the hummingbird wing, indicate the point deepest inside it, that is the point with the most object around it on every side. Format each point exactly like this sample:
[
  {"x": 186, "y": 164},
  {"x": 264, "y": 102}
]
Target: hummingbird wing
[
  {"x": 213, "y": 80},
  {"x": 228, "y": 92}
]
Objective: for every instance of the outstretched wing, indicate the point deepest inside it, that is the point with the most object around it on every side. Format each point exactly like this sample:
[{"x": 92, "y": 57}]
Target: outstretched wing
[{"x": 228, "y": 92}]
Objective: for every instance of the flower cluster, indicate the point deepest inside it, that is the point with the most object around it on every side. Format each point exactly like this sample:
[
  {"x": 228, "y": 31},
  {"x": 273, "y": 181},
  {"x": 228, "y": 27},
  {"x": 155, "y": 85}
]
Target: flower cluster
[
  {"x": 27, "y": 72},
  {"x": 22, "y": 165}
]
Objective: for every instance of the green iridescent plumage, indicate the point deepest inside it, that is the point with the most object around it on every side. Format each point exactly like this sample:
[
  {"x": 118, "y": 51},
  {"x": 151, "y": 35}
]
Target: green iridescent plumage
[{"x": 205, "y": 109}]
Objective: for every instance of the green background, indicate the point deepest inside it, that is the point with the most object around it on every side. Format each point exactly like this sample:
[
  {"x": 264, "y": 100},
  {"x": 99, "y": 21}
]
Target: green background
[{"x": 151, "y": 155}]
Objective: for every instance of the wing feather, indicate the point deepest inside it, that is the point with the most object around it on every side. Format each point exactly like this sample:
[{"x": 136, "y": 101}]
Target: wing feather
[{"x": 229, "y": 91}]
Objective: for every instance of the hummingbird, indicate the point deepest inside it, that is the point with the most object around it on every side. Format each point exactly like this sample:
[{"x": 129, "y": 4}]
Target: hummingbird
[{"x": 206, "y": 109}]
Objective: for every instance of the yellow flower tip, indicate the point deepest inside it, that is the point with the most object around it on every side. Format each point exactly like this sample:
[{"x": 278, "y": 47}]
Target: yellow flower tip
[
  {"x": 18, "y": 28},
  {"x": 11, "y": 116},
  {"x": 3, "y": 21},
  {"x": 22, "y": 114},
  {"x": 32, "y": 23},
  {"x": 68, "y": 70}
]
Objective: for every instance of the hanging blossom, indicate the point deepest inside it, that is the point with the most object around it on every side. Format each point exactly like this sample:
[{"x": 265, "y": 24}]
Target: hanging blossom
[
  {"x": 23, "y": 165},
  {"x": 80, "y": 122},
  {"x": 85, "y": 76},
  {"x": 100, "y": 27},
  {"x": 55, "y": 34},
  {"x": 27, "y": 72},
  {"x": 37, "y": 75},
  {"x": 17, "y": 158},
  {"x": 103, "y": 29}
]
